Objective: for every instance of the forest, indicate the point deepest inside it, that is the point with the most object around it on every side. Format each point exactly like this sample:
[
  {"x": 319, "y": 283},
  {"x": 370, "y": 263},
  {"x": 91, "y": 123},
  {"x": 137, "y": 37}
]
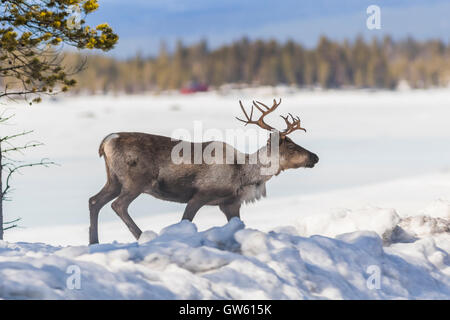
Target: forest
[
  {"x": 355, "y": 64},
  {"x": 376, "y": 63}
]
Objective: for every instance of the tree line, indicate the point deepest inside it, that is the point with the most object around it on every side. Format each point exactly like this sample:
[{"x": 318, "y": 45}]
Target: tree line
[{"x": 349, "y": 64}]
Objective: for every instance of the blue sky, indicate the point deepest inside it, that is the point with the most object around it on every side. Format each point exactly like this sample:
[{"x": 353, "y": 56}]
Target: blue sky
[{"x": 142, "y": 24}]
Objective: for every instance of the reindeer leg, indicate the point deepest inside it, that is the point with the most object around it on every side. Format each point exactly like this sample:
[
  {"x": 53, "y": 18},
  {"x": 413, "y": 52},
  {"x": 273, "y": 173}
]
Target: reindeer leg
[
  {"x": 120, "y": 206},
  {"x": 231, "y": 210},
  {"x": 192, "y": 207},
  {"x": 96, "y": 203}
]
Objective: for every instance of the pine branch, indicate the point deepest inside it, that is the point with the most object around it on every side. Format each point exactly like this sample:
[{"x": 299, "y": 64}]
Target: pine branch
[
  {"x": 13, "y": 170},
  {"x": 19, "y": 149},
  {"x": 5, "y": 138},
  {"x": 11, "y": 224}
]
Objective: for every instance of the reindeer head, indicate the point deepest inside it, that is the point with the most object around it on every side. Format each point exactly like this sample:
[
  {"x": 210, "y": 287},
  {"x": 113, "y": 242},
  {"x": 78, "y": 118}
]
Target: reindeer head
[{"x": 291, "y": 155}]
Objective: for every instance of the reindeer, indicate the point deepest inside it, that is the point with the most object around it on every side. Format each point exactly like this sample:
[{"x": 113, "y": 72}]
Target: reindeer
[{"x": 139, "y": 163}]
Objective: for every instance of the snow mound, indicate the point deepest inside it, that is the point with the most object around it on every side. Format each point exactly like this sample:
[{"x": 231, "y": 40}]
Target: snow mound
[
  {"x": 232, "y": 262},
  {"x": 381, "y": 221},
  {"x": 424, "y": 225},
  {"x": 147, "y": 236},
  {"x": 438, "y": 209}
]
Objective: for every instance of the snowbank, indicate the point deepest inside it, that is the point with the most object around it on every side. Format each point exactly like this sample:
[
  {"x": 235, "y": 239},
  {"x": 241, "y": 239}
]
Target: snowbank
[
  {"x": 234, "y": 262},
  {"x": 381, "y": 221}
]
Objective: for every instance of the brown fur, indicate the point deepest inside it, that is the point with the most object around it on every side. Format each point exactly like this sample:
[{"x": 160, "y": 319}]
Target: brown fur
[{"x": 139, "y": 163}]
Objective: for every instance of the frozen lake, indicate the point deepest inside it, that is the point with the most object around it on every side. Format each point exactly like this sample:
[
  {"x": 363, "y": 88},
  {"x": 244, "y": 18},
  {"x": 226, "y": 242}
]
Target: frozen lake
[{"x": 361, "y": 138}]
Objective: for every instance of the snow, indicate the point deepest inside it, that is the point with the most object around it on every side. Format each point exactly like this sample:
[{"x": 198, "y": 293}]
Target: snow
[
  {"x": 371, "y": 221},
  {"x": 233, "y": 262},
  {"x": 338, "y": 254}
]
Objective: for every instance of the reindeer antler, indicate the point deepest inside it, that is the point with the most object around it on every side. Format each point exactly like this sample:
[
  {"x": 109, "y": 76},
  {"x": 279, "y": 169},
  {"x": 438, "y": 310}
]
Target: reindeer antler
[
  {"x": 291, "y": 126},
  {"x": 260, "y": 122}
]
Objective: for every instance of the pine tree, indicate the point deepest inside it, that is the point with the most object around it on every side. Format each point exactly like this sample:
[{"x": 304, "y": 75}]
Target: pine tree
[{"x": 30, "y": 33}]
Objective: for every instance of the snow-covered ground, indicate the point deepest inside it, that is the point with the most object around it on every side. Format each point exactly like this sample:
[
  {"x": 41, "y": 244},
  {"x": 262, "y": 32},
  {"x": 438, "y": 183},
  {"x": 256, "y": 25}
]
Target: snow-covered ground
[
  {"x": 377, "y": 207},
  {"x": 369, "y": 254}
]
